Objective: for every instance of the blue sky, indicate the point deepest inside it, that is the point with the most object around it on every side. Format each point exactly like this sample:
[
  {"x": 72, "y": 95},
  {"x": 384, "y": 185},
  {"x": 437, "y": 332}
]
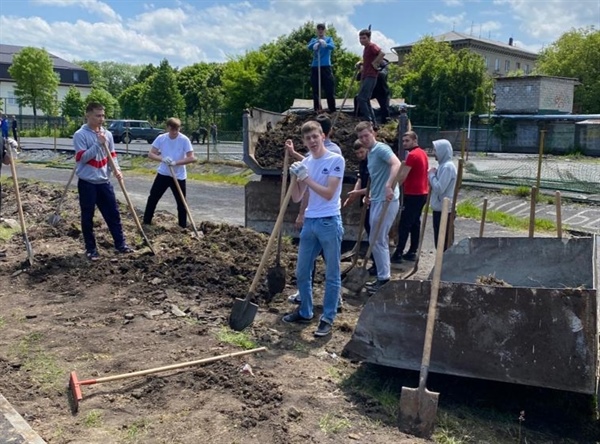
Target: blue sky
[{"x": 186, "y": 32}]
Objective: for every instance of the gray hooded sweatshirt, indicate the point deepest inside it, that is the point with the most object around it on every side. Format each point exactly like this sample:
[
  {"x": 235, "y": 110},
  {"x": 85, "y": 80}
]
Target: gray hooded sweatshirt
[
  {"x": 92, "y": 163},
  {"x": 443, "y": 180}
]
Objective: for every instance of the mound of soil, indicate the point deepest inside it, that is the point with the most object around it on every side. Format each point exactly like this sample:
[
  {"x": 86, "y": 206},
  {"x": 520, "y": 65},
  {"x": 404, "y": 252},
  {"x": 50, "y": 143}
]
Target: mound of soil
[{"x": 270, "y": 146}]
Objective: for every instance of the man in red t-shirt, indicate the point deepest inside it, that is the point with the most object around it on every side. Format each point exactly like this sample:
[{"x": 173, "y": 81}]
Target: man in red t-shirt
[
  {"x": 372, "y": 57},
  {"x": 413, "y": 177}
]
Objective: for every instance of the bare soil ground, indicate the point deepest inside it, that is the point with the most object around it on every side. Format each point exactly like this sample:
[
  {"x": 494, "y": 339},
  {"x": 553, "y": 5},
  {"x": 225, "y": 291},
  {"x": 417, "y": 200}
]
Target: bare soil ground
[{"x": 132, "y": 312}]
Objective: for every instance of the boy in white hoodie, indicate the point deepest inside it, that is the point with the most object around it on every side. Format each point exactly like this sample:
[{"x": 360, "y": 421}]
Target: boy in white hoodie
[{"x": 442, "y": 181}]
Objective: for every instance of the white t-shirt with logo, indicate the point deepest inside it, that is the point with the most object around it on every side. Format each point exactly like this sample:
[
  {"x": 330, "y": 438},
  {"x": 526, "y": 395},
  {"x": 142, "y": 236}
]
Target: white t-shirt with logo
[
  {"x": 176, "y": 149},
  {"x": 320, "y": 170}
]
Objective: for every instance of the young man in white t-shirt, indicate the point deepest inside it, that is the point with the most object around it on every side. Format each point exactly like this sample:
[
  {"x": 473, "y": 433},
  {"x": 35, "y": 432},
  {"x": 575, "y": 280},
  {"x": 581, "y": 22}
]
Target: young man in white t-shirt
[
  {"x": 171, "y": 149},
  {"x": 321, "y": 175}
]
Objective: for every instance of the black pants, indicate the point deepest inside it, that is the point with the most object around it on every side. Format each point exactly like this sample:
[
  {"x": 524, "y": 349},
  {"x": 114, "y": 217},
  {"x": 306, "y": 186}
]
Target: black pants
[
  {"x": 160, "y": 185},
  {"x": 381, "y": 93},
  {"x": 328, "y": 85},
  {"x": 437, "y": 218},
  {"x": 410, "y": 222}
]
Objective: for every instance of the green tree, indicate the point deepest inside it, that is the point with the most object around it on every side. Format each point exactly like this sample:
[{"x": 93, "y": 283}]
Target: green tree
[
  {"x": 162, "y": 99},
  {"x": 576, "y": 54},
  {"x": 131, "y": 101},
  {"x": 72, "y": 106},
  {"x": 441, "y": 82},
  {"x": 115, "y": 77},
  {"x": 36, "y": 82},
  {"x": 111, "y": 106},
  {"x": 200, "y": 86}
]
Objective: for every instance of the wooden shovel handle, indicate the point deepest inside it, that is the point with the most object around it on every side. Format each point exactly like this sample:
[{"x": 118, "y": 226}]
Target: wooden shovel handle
[
  {"x": 64, "y": 194},
  {"x": 363, "y": 216},
  {"x": 286, "y": 161},
  {"x": 187, "y": 208},
  {"x": 276, "y": 228},
  {"x": 435, "y": 289},
  {"x": 13, "y": 170}
]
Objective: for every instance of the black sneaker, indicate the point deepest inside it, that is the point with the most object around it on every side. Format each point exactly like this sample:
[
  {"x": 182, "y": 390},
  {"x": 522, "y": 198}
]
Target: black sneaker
[
  {"x": 396, "y": 258},
  {"x": 372, "y": 270},
  {"x": 92, "y": 255},
  {"x": 323, "y": 330},
  {"x": 410, "y": 256},
  {"x": 377, "y": 285},
  {"x": 295, "y": 318},
  {"x": 125, "y": 249}
]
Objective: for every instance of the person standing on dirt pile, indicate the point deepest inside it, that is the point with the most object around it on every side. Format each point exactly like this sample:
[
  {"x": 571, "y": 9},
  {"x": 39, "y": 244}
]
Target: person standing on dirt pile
[
  {"x": 360, "y": 191},
  {"x": 413, "y": 178},
  {"x": 322, "y": 47},
  {"x": 383, "y": 169},
  {"x": 321, "y": 175},
  {"x": 442, "y": 181},
  {"x": 326, "y": 127},
  {"x": 381, "y": 92},
  {"x": 171, "y": 149},
  {"x": 369, "y": 67},
  {"x": 94, "y": 185}
]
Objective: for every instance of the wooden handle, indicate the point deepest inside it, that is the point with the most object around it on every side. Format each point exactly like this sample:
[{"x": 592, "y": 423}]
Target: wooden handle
[
  {"x": 483, "y": 215},
  {"x": 337, "y": 115},
  {"x": 113, "y": 167},
  {"x": 13, "y": 170},
  {"x": 170, "y": 367},
  {"x": 435, "y": 289},
  {"x": 185, "y": 204},
  {"x": 276, "y": 228},
  {"x": 64, "y": 194},
  {"x": 423, "y": 225},
  {"x": 363, "y": 216},
  {"x": 557, "y": 202},
  {"x": 286, "y": 161},
  {"x": 532, "y": 211}
]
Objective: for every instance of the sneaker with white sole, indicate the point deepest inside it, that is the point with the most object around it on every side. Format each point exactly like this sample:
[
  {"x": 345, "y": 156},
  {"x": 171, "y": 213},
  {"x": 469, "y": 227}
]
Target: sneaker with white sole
[
  {"x": 295, "y": 318},
  {"x": 294, "y": 298},
  {"x": 323, "y": 329}
]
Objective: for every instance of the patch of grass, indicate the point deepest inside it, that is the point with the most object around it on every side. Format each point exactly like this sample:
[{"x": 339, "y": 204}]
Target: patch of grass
[
  {"x": 332, "y": 423},
  {"x": 236, "y": 179},
  {"x": 468, "y": 209},
  {"x": 237, "y": 338},
  {"x": 137, "y": 430},
  {"x": 42, "y": 367},
  {"x": 520, "y": 191},
  {"x": 93, "y": 419},
  {"x": 7, "y": 232},
  {"x": 449, "y": 430},
  {"x": 367, "y": 382},
  {"x": 335, "y": 374}
]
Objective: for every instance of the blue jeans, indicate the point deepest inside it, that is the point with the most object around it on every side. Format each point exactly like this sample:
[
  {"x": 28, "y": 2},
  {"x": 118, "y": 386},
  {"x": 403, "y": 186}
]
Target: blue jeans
[
  {"x": 367, "y": 85},
  {"x": 322, "y": 233}
]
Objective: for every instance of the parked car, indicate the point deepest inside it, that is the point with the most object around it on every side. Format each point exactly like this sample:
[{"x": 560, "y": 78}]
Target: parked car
[{"x": 127, "y": 130}]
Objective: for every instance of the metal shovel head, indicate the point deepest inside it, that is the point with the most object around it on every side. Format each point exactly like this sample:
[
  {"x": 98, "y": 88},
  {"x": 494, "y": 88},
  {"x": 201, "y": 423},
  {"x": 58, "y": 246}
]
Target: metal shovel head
[
  {"x": 54, "y": 219},
  {"x": 276, "y": 279},
  {"x": 242, "y": 314},
  {"x": 418, "y": 409},
  {"x": 356, "y": 279}
]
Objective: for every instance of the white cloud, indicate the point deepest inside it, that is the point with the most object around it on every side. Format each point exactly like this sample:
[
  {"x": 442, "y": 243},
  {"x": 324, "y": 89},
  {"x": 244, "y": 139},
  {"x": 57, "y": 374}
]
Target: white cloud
[{"x": 94, "y": 6}]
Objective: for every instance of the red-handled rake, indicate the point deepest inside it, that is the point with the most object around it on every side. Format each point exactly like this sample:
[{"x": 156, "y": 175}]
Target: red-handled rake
[{"x": 75, "y": 394}]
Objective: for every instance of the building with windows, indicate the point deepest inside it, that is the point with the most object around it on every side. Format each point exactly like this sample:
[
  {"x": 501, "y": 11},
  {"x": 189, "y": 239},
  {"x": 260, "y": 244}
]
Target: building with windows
[
  {"x": 69, "y": 75},
  {"x": 500, "y": 58}
]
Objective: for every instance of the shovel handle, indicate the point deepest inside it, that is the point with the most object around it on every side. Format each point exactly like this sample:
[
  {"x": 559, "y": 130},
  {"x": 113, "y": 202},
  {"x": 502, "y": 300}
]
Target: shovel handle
[
  {"x": 286, "y": 161},
  {"x": 435, "y": 289},
  {"x": 13, "y": 170},
  {"x": 337, "y": 115},
  {"x": 185, "y": 204},
  {"x": 169, "y": 367},
  {"x": 276, "y": 228},
  {"x": 113, "y": 167},
  {"x": 64, "y": 194},
  {"x": 363, "y": 215}
]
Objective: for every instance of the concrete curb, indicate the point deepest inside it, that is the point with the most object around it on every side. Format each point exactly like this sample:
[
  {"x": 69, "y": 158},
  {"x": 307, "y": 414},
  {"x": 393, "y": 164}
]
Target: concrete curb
[{"x": 13, "y": 428}]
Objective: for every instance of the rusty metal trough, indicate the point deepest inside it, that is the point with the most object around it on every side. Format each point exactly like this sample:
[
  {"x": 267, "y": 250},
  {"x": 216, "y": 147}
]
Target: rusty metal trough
[{"x": 541, "y": 330}]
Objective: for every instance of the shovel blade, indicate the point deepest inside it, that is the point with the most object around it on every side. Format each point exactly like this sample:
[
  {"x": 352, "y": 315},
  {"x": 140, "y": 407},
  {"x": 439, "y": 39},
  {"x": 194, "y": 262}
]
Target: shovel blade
[
  {"x": 276, "y": 279},
  {"x": 54, "y": 220},
  {"x": 418, "y": 410},
  {"x": 242, "y": 314},
  {"x": 356, "y": 279}
]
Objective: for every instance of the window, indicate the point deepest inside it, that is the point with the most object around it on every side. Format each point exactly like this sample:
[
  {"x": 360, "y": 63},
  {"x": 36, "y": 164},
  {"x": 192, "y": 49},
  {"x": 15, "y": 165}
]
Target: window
[
  {"x": 506, "y": 65},
  {"x": 526, "y": 69},
  {"x": 11, "y": 100},
  {"x": 145, "y": 125},
  {"x": 75, "y": 76},
  {"x": 497, "y": 65},
  {"x": 487, "y": 62},
  {"x": 518, "y": 65}
]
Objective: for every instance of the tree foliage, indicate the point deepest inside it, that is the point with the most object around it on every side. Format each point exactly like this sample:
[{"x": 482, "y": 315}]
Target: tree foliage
[
  {"x": 131, "y": 101},
  {"x": 72, "y": 106},
  {"x": 162, "y": 98},
  {"x": 200, "y": 86},
  {"x": 102, "y": 96},
  {"x": 114, "y": 77},
  {"x": 576, "y": 54},
  {"x": 36, "y": 82}
]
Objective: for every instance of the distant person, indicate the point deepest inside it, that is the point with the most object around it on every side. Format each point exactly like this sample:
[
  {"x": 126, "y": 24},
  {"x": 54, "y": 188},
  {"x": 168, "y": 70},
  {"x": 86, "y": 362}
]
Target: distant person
[
  {"x": 15, "y": 132},
  {"x": 213, "y": 132},
  {"x": 322, "y": 46},
  {"x": 200, "y": 132},
  {"x": 94, "y": 185},
  {"x": 383, "y": 169},
  {"x": 404, "y": 126},
  {"x": 442, "y": 181},
  {"x": 4, "y": 125},
  {"x": 413, "y": 178},
  {"x": 171, "y": 149},
  {"x": 371, "y": 59}
]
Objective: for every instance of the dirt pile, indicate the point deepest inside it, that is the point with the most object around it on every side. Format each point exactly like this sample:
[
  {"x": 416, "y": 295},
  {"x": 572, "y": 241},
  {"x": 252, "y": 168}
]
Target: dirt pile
[{"x": 269, "y": 148}]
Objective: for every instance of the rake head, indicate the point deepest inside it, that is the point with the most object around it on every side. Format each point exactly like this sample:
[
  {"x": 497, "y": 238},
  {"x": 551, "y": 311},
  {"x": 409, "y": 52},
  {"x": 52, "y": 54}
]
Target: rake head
[{"x": 74, "y": 392}]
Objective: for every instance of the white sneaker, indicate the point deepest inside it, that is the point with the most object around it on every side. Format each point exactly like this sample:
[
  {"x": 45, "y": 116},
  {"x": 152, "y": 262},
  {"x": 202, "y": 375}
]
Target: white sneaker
[{"x": 294, "y": 298}]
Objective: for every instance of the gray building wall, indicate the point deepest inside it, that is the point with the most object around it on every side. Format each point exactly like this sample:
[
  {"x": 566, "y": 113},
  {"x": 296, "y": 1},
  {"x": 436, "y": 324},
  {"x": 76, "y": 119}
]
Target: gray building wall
[{"x": 534, "y": 95}]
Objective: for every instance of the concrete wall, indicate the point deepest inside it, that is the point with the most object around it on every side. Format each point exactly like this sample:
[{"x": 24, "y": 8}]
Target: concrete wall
[{"x": 534, "y": 95}]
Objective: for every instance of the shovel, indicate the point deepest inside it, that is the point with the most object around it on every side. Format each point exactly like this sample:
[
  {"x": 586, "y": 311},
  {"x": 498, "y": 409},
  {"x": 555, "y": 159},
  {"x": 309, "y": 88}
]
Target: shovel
[
  {"x": 276, "y": 275},
  {"x": 356, "y": 279},
  {"x": 244, "y": 311},
  {"x": 54, "y": 219},
  {"x": 113, "y": 167},
  {"x": 337, "y": 115},
  {"x": 13, "y": 170},
  {"x": 421, "y": 237},
  {"x": 187, "y": 208},
  {"x": 356, "y": 249},
  {"x": 418, "y": 407}
]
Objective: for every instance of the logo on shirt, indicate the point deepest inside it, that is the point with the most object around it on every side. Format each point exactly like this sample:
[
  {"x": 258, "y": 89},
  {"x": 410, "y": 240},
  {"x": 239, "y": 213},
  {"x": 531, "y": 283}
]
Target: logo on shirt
[
  {"x": 337, "y": 169},
  {"x": 325, "y": 171}
]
